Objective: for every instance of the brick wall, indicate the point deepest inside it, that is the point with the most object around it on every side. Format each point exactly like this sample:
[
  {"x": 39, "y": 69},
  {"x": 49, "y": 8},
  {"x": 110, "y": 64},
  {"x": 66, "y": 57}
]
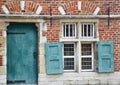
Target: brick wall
[
  {"x": 111, "y": 34},
  {"x": 52, "y": 33},
  {"x": 0, "y": 60},
  {"x": 70, "y": 6},
  {"x": 0, "y": 47}
]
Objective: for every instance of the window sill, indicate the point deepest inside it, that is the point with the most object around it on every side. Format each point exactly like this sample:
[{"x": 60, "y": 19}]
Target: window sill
[{"x": 70, "y": 73}]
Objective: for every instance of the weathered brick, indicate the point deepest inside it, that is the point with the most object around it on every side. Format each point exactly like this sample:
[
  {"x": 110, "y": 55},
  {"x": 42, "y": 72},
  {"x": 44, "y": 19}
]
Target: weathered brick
[
  {"x": 70, "y": 7},
  {"x": 0, "y": 33},
  {"x": 0, "y": 60}
]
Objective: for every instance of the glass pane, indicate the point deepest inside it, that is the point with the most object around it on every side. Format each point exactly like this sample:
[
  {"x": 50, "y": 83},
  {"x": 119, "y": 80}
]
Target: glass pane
[
  {"x": 67, "y": 30},
  {"x": 89, "y": 30},
  {"x": 68, "y": 63},
  {"x": 68, "y": 49},
  {"x": 86, "y": 49},
  {"x": 85, "y": 30},
  {"x": 71, "y": 31},
  {"x": 86, "y": 63}
]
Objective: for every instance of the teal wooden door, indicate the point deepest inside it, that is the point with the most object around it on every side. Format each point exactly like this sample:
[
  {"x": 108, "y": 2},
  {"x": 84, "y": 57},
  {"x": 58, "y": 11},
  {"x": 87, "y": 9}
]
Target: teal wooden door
[{"x": 22, "y": 53}]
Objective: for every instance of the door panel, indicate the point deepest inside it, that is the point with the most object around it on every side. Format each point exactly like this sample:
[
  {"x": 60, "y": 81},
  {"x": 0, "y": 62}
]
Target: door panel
[{"x": 22, "y": 53}]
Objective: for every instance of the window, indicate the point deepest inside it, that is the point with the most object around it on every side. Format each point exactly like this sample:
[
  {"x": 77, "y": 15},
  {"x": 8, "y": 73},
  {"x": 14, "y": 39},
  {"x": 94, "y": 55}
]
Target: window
[
  {"x": 69, "y": 30},
  {"x": 69, "y": 57},
  {"x": 87, "y": 30},
  {"x": 79, "y": 42},
  {"x": 87, "y": 57}
]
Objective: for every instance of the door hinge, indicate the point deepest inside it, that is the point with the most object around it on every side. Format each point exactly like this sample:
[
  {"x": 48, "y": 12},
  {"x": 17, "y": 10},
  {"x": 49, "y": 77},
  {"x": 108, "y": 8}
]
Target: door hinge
[
  {"x": 15, "y": 32},
  {"x": 15, "y": 81}
]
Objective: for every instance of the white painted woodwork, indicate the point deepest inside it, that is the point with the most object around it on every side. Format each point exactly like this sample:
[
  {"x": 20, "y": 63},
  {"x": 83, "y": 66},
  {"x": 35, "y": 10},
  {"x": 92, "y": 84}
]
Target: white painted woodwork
[
  {"x": 62, "y": 11},
  {"x": 5, "y": 9},
  {"x": 39, "y": 9}
]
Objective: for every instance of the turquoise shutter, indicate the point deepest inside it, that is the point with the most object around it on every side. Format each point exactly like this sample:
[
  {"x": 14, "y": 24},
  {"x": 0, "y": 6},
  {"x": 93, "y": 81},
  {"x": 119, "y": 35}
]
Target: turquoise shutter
[
  {"x": 105, "y": 56},
  {"x": 54, "y": 63}
]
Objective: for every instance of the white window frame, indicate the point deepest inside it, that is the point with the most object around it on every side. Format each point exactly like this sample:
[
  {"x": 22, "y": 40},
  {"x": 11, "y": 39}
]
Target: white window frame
[
  {"x": 70, "y": 56},
  {"x": 69, "y": 31},
  {"x": 78, "y": 39},
  {"x": 86, "y": 23},
  {"x": 88, "y": 56}
]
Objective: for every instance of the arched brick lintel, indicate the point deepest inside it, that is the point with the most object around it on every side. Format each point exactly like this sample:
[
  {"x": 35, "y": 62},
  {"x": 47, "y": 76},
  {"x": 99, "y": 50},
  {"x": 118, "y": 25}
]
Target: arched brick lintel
[{"x": 71, "y": 8}]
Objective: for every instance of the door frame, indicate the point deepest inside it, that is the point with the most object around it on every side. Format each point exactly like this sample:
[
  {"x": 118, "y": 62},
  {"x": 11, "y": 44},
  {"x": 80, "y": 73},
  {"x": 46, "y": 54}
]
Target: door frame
[{"x": 40, "y": 25}]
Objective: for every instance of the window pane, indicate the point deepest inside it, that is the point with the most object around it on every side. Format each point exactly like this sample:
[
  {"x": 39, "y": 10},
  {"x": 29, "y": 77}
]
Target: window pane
[
  {"x": 89, "y": 30},
  {"x": 71, "y": 31},
  {"x": 67, "y": 30},
  {"x": 85, "y": 30},
  {"x": 86, "y": 63},
  {"x": 68, "y": 63},
  {"x": 68, "y": 49},
  {"x": 86, "y": 49}
]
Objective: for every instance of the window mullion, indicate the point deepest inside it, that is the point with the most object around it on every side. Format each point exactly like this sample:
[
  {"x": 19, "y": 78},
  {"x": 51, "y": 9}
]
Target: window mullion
[
  {"x": 93, "y": 29},
  {"x": 65, "y": 30},
  {"x": 83, "y": 30}
]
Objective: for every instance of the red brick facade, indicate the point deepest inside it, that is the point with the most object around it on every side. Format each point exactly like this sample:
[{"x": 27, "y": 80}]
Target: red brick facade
[
  {"x": 53, "y": 30},
  {"x": 0, "y": 55},
  {"x": 111, "y": 34},
  {"x": 70, "y": 7},
  {"x": 0, "y": 60},
  {"x": 88, "y": 6}
]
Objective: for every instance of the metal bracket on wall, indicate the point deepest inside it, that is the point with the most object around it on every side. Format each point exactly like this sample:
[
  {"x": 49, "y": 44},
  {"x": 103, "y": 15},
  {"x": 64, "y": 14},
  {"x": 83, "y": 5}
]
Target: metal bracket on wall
[
  {"x": 51, "y": 17},
  {"x": 108, "y": 17},
  {"x": 108, "y": 12}
]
